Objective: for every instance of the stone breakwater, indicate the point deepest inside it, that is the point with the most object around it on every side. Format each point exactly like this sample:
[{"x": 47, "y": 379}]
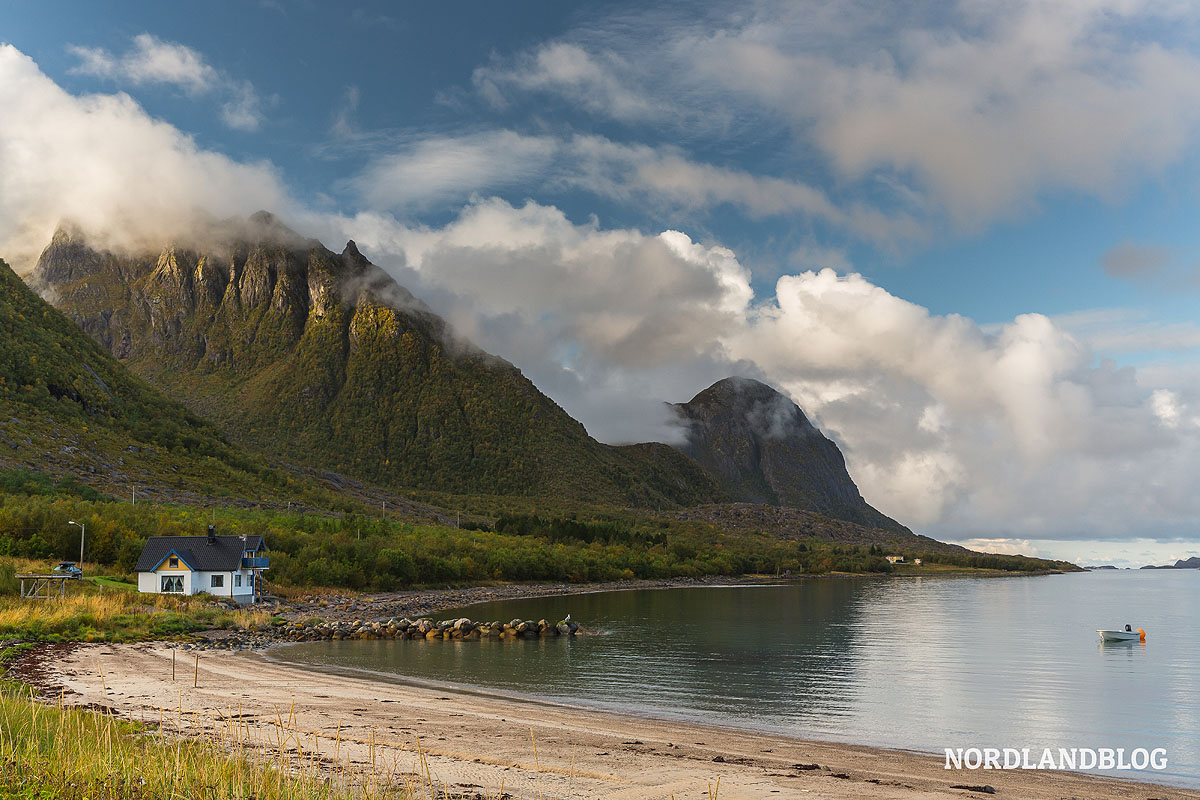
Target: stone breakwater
[
  {"x": 318, "y": 630},
  {"x": 461, "y": 628}
]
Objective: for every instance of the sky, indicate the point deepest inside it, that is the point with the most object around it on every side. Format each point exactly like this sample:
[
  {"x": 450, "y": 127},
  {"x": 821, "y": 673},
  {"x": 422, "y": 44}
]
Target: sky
[{"x": 961, "y": 235}]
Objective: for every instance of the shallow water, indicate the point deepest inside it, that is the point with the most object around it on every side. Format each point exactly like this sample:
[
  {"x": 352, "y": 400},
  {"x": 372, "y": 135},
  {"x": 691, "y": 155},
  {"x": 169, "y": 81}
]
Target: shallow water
[{"x": 917, "y": 663}]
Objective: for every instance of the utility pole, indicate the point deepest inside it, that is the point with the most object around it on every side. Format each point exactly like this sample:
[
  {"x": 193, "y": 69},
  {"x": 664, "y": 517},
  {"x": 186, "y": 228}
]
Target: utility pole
[
  {"x": 82, "y": 533},
  {"x": 385, "y": 509}
]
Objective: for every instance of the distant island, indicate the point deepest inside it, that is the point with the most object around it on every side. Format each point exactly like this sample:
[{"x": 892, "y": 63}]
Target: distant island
[{"x": 1190, "y": 563}]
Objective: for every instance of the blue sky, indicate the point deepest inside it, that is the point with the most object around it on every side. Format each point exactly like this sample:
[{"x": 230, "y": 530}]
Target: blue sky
[{"x": 631, "y": 201}]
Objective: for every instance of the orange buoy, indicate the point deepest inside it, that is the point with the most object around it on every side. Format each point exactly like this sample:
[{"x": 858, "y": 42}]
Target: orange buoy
[{"x": 1143, "y": 633}]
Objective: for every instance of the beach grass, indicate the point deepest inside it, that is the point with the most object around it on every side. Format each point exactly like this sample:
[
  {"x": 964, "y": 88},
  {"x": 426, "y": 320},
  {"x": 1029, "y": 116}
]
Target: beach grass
[{"x": 49, "y": 752}]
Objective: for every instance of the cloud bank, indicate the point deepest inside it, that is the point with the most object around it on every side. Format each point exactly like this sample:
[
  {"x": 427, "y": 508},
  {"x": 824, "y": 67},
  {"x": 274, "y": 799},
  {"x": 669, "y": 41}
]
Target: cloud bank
[
  {"x": 969, "y": 115},
  {"x": 439, "y": 169},
  {"x": 126, "y": 179}
]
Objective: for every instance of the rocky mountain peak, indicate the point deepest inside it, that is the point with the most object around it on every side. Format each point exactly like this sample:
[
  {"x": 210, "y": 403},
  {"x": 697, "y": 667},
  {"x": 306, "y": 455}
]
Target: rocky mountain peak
[
  {"x": 763, "y": 449},
  {"x": 767, "y": 413}
]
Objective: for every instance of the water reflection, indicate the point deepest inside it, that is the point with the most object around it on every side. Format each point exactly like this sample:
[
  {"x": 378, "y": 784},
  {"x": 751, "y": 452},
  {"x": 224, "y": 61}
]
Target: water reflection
[{"x": 916, "y": 663}]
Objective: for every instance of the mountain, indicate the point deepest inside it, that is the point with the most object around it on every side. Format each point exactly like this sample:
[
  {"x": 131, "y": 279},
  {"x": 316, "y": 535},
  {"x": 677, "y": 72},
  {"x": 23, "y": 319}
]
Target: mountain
[
  {"x": 321, "y": 359},
  {"x": 1189, "y": 563},
  {"x": 68, "y": 407},
  {"x": 762, "y": 449}
]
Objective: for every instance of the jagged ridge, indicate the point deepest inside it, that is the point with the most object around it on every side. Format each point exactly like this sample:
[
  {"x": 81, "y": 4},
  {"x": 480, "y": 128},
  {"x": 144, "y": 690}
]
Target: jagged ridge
[
  {"x": 323, "y": 359},
  {"x": 66, "y": 406}
]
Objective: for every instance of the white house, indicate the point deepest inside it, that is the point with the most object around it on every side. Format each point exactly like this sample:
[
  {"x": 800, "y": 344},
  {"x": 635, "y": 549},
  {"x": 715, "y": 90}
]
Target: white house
[
  {"x": 895, "y": 559},
  {"x": 225, "y": 566}
]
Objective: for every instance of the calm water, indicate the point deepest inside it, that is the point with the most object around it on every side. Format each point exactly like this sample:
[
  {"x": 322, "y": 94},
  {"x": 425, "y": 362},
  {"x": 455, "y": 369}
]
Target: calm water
[{"x": 918, "y": 663}]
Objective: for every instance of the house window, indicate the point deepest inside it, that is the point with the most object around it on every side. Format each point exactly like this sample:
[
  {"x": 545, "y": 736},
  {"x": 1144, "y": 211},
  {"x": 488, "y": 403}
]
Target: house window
[
  {"x": 173, "y": 563},
  {"x": 237, "y": 580},
  {"x": 218, "y": 582},
  {"x": 172, "y": 584}
]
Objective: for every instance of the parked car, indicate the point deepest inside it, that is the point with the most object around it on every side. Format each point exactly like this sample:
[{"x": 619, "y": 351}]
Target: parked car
[{"x": 70, "y": 569}]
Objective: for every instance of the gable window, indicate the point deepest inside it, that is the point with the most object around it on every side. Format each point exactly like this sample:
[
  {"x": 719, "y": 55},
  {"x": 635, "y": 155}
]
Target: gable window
[
  {"x": 218, "y": 582},
  {"x": 172, "y": 563},
  {"x": 237, "y": 580},
  {"x": 172, "y": 584}
]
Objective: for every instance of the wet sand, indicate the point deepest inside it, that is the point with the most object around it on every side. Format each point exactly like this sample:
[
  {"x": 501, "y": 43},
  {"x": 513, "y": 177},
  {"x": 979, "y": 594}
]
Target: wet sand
[{"x": 481, "y": 742}]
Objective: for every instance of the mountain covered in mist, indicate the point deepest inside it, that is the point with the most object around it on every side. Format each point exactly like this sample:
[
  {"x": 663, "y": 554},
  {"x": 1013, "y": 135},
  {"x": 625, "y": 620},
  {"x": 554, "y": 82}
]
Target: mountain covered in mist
[
  {"x": 320, "y": 358},
  {"x": 762, "y": 449}
]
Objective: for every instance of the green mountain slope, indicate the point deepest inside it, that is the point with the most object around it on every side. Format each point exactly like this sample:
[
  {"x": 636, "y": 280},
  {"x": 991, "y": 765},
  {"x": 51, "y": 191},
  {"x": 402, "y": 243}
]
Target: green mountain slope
[
  {"x": 66, "y": 406},
  {"x": 323, "y": 360}
]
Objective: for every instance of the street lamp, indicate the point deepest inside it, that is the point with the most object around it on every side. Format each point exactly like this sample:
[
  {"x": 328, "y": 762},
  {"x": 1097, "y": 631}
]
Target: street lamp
[{"x": 82, "y": 531}]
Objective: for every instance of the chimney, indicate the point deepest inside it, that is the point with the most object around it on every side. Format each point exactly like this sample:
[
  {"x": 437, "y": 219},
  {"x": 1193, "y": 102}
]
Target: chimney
[{"x": 212, "y": 534}]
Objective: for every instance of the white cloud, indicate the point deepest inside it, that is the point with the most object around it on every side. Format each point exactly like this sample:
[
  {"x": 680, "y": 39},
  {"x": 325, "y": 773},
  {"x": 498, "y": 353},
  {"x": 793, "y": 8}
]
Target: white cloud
[
  {"x": 153, "y": 61},
  {"x": 588, "y": 80},
  {"x": 970, "y": 114},
  {"x": 102, "y": 161},
  {"x": 619, "y": 296},
  {"x": 439, "y": 168},
  {"x": 243, "y": 110}
]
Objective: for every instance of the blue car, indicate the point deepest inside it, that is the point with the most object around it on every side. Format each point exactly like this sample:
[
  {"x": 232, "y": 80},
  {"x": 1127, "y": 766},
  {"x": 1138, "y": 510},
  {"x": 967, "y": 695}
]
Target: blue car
[{"x": 70, "y": 569}]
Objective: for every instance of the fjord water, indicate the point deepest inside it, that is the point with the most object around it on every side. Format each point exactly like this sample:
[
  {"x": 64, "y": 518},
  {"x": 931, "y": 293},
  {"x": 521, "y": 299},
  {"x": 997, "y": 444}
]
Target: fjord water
[{"x": 915, "y": 663}]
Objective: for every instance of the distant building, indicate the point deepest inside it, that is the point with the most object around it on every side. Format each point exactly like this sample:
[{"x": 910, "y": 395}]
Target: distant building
[
  {"x": 895, "y": 559},
  {"x": 917, "y": 561},
  {"x": 224, "y": 566}
]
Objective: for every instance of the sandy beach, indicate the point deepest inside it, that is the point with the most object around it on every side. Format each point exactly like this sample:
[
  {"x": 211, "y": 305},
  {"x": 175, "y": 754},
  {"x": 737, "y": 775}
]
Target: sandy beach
[{"x": 480, "y": 744}]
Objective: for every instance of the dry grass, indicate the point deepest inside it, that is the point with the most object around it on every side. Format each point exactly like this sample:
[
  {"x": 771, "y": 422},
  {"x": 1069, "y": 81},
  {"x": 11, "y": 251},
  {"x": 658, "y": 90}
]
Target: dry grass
[
  {"x": 91, "y": 613},
  {"x": 50, "y": 752}
]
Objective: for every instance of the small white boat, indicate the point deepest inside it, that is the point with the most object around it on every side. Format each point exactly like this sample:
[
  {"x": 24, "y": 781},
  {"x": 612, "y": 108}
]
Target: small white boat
[{"x": 1122, "y": 636}]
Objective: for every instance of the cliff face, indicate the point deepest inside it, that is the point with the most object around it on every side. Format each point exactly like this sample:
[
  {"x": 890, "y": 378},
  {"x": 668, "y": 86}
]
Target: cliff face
[
  {"x": 67, "y": 407},
  {"x": 762, "y": 449},
  {"x": 321, "y": 358}
]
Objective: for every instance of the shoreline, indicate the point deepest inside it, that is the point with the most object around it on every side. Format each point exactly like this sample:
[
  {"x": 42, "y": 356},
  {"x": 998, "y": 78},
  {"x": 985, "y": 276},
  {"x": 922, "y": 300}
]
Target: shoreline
[
  {"x": 482, "y": 743},
  {"x": 416, "y": 604}
]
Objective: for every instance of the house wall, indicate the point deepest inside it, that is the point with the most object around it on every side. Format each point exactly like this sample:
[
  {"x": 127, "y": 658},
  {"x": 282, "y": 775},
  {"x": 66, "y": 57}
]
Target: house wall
[
  {"x": 204, "y": 584},
  {"x": 151, "y": 582},
  {"x": 195, "y": 582}
]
